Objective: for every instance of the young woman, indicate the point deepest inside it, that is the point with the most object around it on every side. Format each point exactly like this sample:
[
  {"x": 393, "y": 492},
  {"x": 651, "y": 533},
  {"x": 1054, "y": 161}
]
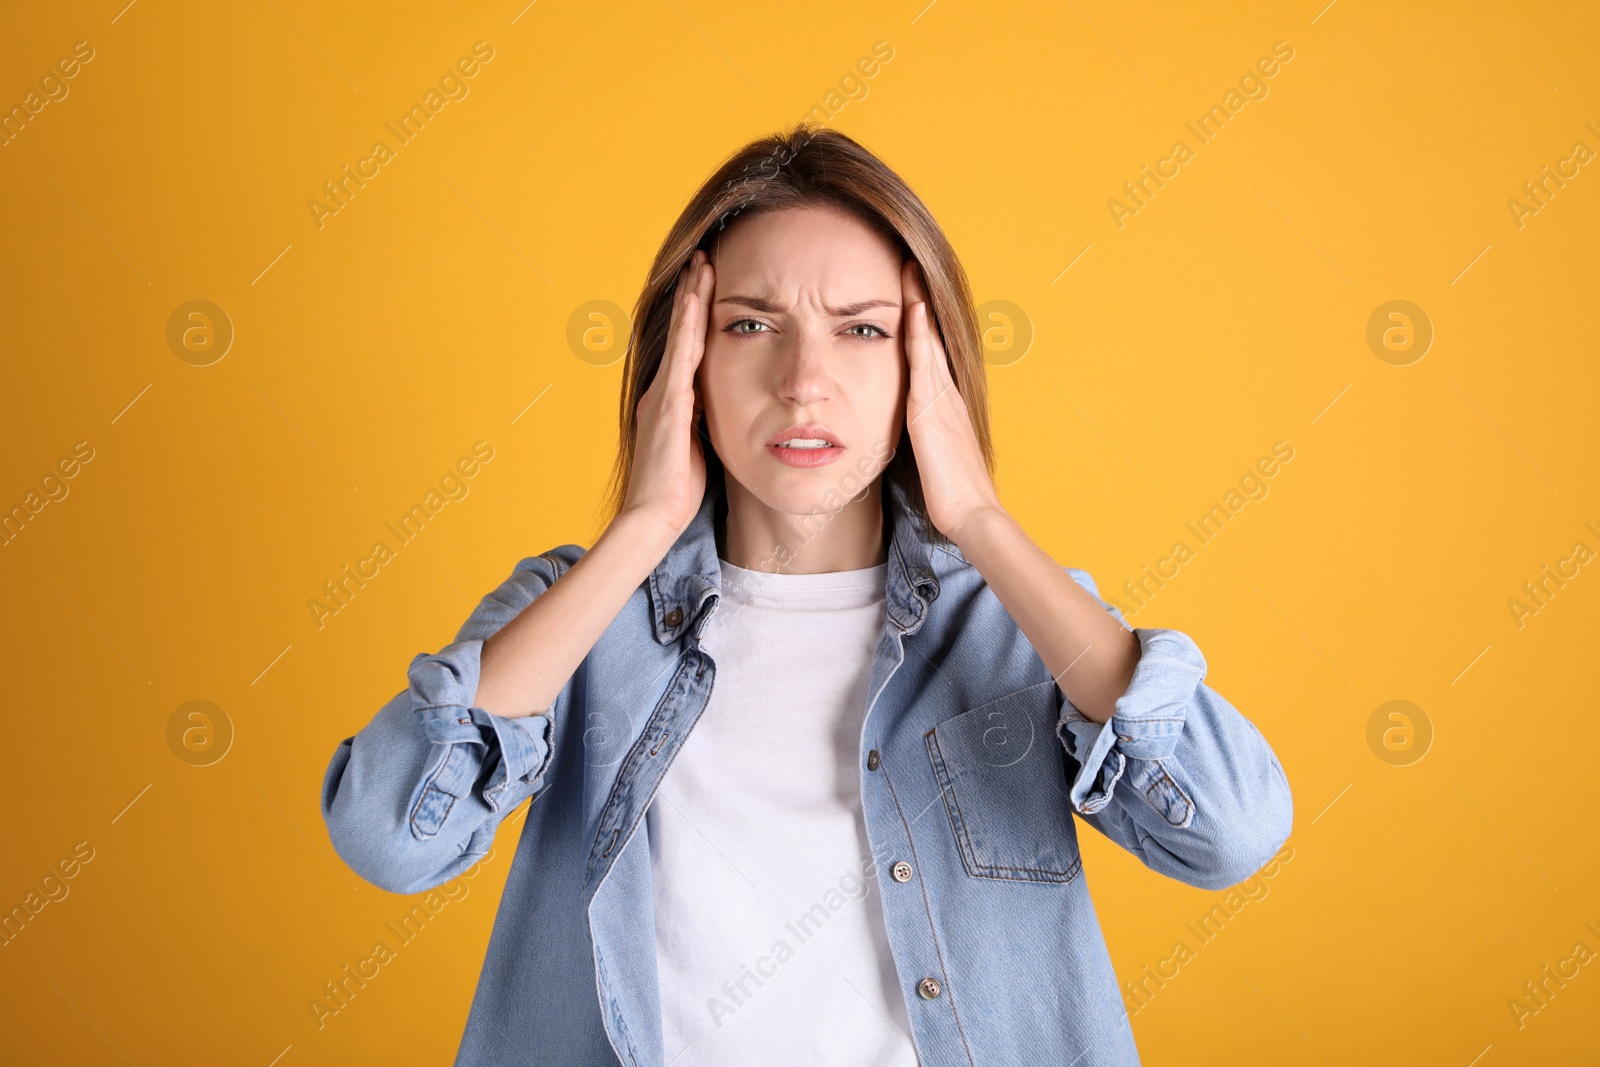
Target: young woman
[{"x": 807, "y": 728}]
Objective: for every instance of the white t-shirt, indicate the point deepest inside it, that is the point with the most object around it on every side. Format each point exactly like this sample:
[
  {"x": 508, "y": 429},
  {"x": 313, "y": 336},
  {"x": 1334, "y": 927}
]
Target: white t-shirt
[{"x": 770, "y": 938}]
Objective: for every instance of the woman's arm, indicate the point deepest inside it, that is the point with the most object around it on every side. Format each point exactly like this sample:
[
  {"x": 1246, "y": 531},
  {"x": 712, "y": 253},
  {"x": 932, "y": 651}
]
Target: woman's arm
[
  {"x": 415, "y": 797},
  {"x": 525, "y": 666},
  {"x": 1167, "y": 768},
  {"x": 1178, "y": 776},
  {"x": 1089, "y": 654}
]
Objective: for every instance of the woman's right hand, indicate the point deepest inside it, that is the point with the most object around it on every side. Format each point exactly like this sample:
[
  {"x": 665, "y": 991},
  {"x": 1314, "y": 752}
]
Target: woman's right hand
[{"x": 667, "y": 481}]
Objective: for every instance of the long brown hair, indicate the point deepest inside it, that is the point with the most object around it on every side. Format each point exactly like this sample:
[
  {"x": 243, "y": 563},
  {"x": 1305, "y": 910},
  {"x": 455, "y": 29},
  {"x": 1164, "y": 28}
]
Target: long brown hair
[{"x": 807, "y": 165}]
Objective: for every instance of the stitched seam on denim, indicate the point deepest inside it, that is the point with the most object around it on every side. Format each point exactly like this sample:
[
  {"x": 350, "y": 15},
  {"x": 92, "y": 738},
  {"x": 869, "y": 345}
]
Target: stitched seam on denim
[
  {"x": 526, "y": 740},
  {"x": 1052, "y": 877},
  {"x": 628, "y": 762},
  {"x": 1146, "y": 775},
  {"x": 952, "y": 810},
  {"x": 1104, "y": 771},
  {"x": 658, "y": 615},
  {"x": 1160, "y": 799},
  {"x": 975, "y": 867},
  {"x": 426, "y": 834},
  {"x": 1188, "y": 802},
  {"x": 622, "y": 1027},
  {"x": 449, "y": 754},
  {"x": 631, "y": 827},
  {"x": 536, "y": 786},
  {"x": 927, "y": 911},
  {"x": 493, "y": 795},
  {"x": 634, "y": 825},
  {"x": 435, "y": 707},
  {"x": 917, "y": 570},
  {"x": 429, "y": 784},
  {"x": 913, "y": 573},
  {"x": 1030, "y": 870},
  {"x": 1165, "y": 780}
]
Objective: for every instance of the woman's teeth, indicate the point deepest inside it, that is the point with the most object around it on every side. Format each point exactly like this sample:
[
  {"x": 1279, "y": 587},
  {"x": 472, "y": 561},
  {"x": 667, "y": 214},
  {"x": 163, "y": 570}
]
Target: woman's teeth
[{"x": 804, "y": 442}]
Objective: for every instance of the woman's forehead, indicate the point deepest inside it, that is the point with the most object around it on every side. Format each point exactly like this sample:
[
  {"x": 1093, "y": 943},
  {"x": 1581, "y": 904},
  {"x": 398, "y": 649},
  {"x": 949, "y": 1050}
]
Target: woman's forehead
[
  {"x": 810, "y": 229},
  {"x": 836, "y": 260}
]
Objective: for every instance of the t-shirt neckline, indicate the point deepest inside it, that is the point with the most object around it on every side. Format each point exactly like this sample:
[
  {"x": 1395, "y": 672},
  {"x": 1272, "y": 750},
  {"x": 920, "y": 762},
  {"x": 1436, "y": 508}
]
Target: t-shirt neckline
[{"x": 859, "y": 587}]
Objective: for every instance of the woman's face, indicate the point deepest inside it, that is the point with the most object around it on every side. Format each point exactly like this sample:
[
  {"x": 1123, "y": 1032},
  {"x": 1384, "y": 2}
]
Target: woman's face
[{"x": 804, "y": 332}]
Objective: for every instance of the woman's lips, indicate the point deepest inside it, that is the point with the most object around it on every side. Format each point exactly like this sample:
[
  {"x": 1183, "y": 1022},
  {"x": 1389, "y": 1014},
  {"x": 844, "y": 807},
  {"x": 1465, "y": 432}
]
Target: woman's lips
[{"x": 805, "y": 457}]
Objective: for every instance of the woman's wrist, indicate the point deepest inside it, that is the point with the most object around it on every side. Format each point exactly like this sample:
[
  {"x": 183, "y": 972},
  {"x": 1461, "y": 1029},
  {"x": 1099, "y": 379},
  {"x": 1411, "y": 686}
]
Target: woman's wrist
[
  {"x": 640, "y": 535},
  {"x": 524, "y": 665}
]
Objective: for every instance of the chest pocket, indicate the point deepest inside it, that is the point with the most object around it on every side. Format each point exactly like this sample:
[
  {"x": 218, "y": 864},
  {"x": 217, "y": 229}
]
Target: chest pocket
[{"x": 1002, "y": 773}]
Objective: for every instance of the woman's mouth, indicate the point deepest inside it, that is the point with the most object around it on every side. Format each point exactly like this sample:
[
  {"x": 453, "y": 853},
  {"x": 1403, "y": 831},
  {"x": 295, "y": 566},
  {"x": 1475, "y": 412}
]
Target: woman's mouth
[{"x": 805, "y": 451}]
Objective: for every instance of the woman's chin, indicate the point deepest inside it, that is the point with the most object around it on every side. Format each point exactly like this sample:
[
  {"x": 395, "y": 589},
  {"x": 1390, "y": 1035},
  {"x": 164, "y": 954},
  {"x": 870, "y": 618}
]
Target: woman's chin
[{"x": 800, "y": 493}]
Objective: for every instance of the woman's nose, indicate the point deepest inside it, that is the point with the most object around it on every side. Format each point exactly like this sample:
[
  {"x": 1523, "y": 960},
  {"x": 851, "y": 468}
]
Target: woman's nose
[{"x": 806, "y": 377}]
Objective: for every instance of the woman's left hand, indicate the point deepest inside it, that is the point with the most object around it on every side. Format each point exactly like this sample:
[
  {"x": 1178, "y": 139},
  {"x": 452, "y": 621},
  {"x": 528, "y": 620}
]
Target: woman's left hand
[{"x": 955, "y": 481}]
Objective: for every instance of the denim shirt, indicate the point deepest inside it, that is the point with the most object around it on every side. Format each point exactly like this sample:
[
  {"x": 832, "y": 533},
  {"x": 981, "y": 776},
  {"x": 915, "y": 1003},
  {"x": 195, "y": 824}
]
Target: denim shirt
[{"x": 974, "y": 771}]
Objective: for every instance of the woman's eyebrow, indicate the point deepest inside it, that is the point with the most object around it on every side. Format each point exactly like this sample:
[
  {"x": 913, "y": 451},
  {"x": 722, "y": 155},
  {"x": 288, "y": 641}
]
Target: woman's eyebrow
[{"x": 843, "y": 312}]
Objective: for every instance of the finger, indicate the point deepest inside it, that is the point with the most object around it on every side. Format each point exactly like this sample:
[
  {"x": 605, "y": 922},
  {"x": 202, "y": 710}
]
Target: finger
[
  {"x": 686, "y": 351},
  {"x": 690, "y": 341},
  {"x": 908, "y": 313},
  {"x": 698, "y": 333},
  {"x": 928, "y": 365},
  {"x": 915, "y": 281},
  {"x": 681, "y": 290},
  {"x": 679, "y": 372},
  {"x": 919, "y": 293},
  {"x": 705, "y": 288},
  {"x": 938, "y": 358},
  {"x": 915, "y": 302},
  {"x": 919, "y": 365},
  {"x": 939, "y": 389},
  {"x": 679, "y": 287},
  {"x": 936, "y": 352}
]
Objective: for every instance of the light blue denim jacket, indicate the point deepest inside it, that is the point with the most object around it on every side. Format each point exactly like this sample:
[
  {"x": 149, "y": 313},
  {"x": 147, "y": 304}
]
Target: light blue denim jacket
[{"x": 972, "y": 766}]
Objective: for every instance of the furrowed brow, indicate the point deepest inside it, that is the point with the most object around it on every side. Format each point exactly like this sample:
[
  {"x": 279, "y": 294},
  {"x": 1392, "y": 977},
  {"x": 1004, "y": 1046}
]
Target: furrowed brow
[{"x": 844, "y": 312}]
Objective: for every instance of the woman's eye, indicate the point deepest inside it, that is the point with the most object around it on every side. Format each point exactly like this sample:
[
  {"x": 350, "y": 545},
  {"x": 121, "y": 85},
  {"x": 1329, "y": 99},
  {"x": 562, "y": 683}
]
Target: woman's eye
[
  {"x": 873, "y": 332},
  {"x": 879, "y": 331}
]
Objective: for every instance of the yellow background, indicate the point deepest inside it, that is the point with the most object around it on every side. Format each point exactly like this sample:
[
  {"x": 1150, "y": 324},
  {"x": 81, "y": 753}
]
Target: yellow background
[{"x": 369, "y": 354}]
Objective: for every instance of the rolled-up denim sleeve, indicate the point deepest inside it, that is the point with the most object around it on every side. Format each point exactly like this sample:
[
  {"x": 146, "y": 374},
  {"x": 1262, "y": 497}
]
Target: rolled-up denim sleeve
[
  {"x": 415, "y": 797},
  {"x": 1177, "y": 775}
]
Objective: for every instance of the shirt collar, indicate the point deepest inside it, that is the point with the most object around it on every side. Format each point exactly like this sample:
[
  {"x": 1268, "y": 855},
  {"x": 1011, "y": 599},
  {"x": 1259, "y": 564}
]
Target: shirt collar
[{"x": 691, "y": 572}]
